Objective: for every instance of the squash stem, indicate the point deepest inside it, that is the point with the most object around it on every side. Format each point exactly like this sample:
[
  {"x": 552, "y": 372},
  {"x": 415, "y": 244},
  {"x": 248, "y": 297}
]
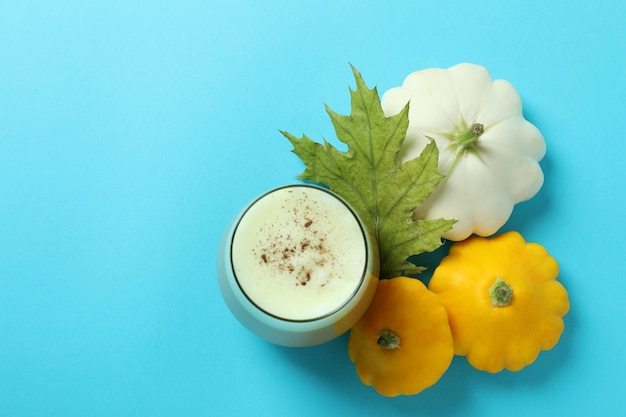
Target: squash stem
[
  {"x": 388, "y": 340},
  {"x": 464, "y": 139},
  {"x": 467, "y": 137},
  {"x": 500, "y": 293}
]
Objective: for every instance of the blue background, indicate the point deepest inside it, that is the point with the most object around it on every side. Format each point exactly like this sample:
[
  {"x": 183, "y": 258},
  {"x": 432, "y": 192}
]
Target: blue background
[{"x": 131, "y": 132}]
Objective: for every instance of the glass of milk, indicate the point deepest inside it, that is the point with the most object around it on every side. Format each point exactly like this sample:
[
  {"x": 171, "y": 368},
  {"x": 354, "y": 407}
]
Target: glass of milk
[{"x": 297, "y": 266}]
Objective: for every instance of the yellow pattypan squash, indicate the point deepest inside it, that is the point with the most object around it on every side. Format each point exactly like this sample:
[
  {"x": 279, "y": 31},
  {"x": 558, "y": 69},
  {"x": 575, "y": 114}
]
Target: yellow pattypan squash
[
  {"x": 503, "y": 300},
  {"x": 403, "y": 343}
]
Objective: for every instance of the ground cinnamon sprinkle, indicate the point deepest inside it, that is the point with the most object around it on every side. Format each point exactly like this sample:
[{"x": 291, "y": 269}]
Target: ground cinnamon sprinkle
[{"x": 285, "y": 252}]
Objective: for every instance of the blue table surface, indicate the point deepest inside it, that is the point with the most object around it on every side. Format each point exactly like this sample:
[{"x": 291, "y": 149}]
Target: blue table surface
[{"x": 131, "y": 133}]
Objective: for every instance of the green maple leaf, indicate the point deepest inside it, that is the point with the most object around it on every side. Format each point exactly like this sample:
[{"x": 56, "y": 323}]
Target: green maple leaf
[{"x": 370, "y": 177}]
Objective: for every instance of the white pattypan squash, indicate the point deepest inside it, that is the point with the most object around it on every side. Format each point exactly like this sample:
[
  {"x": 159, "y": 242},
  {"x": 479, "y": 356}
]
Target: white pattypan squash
[{"x": 488, "y": 151}]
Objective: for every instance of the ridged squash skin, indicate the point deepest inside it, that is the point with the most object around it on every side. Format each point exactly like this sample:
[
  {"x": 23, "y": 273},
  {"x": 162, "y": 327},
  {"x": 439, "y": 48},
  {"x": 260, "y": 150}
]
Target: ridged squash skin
[
  {"x": 509, "y": 336},
  {"x": 488, "y": 151},
  {"x": 405, "y": 308}
]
